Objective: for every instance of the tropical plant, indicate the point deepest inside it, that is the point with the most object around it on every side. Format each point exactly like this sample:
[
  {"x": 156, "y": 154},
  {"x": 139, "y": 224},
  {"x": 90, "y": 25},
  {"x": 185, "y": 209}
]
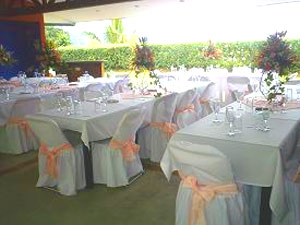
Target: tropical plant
[
  {"x": 276, "y": 59},
  {"x": 6, "y": 58},
  {"x": 58, "y": 36},
  {"x": 48, "y": 57},
  {"x": 115, "y": 32}
]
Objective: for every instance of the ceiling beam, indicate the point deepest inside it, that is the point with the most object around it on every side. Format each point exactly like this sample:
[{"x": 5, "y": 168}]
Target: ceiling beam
[{"x": 56, "y": 6}]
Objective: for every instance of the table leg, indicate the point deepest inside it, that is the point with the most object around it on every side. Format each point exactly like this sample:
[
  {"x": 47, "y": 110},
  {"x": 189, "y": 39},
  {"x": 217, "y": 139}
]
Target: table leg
[
  {"x": 88, "y": 166},
  {"x": 265, "y": 210}
]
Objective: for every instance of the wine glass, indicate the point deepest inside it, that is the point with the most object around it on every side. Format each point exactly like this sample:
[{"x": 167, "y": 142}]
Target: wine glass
[
  {"x": 230, "y": 118},
  {"x": 239, "y": 99},
  {"x": 215, "y": 103}
]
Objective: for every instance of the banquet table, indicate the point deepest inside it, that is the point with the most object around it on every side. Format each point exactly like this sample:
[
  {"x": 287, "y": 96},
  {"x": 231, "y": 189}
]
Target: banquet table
[{"x": 258, "y": 158}]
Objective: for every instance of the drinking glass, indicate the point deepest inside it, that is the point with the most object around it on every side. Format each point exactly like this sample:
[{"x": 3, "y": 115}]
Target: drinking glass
[
  {"x": 230, "y": 118},
  {"x": 59, "y": 101},
  {"x": 69, "y": 105},
  {"x": 239, "y": 99},
  {"x": 265, "y": 116},
  {"x": 215, "y": 103},
  {"x": 284, "y": 101},
  {"x": 104, "y": 100}
]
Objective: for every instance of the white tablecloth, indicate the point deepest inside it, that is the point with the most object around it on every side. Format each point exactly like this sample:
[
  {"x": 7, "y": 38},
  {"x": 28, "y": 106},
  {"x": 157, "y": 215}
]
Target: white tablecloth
[{"x": 257, "y": 158}]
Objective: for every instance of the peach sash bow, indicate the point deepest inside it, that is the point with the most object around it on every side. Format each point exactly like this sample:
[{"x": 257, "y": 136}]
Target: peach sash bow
[
  {"x": 52, "y": 156},
  {"x": 167, "y": 128},
  {"x": 205, "y": 102},
  {"x": 297, "y": 175},
  {"x": 201, "y": 194},
  {"x": 129, "y": 148},
  {"x": 23, "y": 124},
  {"x": 186, "y": 108}
]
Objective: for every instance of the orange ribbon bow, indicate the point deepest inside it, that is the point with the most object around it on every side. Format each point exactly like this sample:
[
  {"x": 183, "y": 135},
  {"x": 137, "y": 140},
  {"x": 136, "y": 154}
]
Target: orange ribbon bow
[
  {"x": 23, "y": 124},
  {"x": 167, "y": 128},
  {"x": 297, "y": 175},
  {"x": 201, "y": 194},
  {"x": 187, "y": 108},
  {"x": 52, "y": 155},
  {"x": 128, "y": 147}
]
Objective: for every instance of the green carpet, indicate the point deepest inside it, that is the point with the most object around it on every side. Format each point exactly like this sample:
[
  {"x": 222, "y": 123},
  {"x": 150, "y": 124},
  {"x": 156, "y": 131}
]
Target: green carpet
[{"x": 149, "y": 200}]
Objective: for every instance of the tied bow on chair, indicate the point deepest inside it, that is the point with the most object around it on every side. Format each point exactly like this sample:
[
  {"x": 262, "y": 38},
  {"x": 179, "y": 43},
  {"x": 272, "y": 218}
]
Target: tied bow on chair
[
  {"x": 187, "y": 108},
  {"x": 52, "y": 156},
  {"x": 128, "y": 147},
  {"x": 296, "y": 178},
  {"x": 201, "y": 194},
  {"x": 167, "y": 128},
  {"x": 23, "y": 124}
]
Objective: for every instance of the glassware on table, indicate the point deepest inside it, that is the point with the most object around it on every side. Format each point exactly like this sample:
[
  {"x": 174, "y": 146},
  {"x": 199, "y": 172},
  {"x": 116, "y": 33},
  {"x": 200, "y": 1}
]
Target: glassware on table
[
  {"x": 238, "y": 123},
  {"x": 216, "y": 105},
  {"x": 59, "y": 101},
  {"x": 104, "y": 102},
  {"x": 78, "y": 109},
  {"x": 230, "y": 116},
  {"x": 69, "y": 106},
  {"x": 239, "y": 99},
  {"x": 264, "y": 114},
  {"x": 284, "y": 101}
]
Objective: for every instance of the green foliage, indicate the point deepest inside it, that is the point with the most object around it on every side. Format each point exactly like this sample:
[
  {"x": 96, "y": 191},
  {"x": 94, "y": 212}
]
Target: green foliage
[
  {"x": 91, "y": 35},
  {"x": 58, "y": 36},
  {"x": 115, "y": 32},
  {"x": 234, "y": 54},
  {"x": 6, "y": 57}
]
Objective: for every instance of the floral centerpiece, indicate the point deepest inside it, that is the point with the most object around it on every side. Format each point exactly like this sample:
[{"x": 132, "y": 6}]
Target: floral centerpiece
[
  {"x": 276, "y": 60},
  {"x": 211, "y": 53},
  {"x": 143, "y": 66},
  {"x": 48, "y": 57},
  {"x": 6, "y": 58}
]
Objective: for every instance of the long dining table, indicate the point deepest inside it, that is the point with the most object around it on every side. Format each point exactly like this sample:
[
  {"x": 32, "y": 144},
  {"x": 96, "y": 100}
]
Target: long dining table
[
  {"x": 258, "y": 158},
  {"x": 96, "y": 125}
]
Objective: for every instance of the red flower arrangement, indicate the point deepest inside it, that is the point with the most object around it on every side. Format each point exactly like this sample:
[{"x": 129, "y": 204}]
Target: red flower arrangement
[
  {"x": 276, "y": 59},
  {"x": 212, "y": 52}
]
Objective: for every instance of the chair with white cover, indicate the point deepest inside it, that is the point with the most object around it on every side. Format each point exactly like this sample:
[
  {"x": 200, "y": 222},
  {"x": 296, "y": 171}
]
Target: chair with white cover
[
  {"x": 207, "y": 193},
  {"x": 117, "y": 160},
  {"x": 20, "y": 138},
  {"x": 61, "y": 163},
  {"x": 201, "y": 102},
  {"x": 154, "y": 138},
  {"x": 93, "y": 91},
  {"x": 185, "y": 113},
  {"x": 121, "y": 86},
  {"x": 238, "y": 86}
]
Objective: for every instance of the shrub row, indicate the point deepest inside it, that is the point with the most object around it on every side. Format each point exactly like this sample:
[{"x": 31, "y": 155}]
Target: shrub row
[{"x": 234, "y": 54}]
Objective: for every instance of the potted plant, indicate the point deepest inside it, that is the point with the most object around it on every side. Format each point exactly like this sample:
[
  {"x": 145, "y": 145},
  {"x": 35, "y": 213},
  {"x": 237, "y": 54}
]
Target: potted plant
[
  {"x": 276, "y": 60},
  {"x": 6, "y": 58}
]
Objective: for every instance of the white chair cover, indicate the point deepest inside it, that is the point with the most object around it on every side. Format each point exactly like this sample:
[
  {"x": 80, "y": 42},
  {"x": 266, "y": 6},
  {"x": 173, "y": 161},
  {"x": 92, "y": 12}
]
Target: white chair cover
[
  {"x": 93, "y": 91},
  {"x": 238, "y": 85},
  {"x": 121, "y": 86},
  {"x": 110, "y": 165},
  {"x": 201, "y": 102},
  {"x": 212, "y": 167},
  {"x": 70, "y": 164},
  {"x": 185, "y": 113},
  {"x": 153, "y": 139},
  {"x": 20, "y": 138},
  {"x": 292, "y": 191}
]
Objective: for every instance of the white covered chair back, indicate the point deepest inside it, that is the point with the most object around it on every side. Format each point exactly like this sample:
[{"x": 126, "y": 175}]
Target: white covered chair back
[
  {"x": 238, "y": 84},
  {"x": 164, "y": 108},
  {"x": 55, "y": 148},
  {"x": 203, "y": 161},
  {"x": 185, "y": 113},
  {"x": 93, "y": 91},
  {"x": 25, "y": 106},
  {"x": 129, "y": 124},
  {"x": 202, "y": 106},
  {"x": 207, "y": 193},
  {"x": 121, "y": 86}
]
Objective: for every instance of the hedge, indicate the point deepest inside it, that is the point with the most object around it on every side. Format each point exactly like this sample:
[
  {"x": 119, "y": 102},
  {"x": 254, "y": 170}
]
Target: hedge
[{"x": 234, "y": 54}]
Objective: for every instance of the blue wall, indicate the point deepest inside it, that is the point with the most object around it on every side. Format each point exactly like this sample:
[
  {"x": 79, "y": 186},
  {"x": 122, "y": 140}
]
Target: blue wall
[{"x": 19, "y": 37}]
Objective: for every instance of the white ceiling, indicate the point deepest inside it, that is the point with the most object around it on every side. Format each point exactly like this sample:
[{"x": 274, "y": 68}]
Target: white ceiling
[
  {"x": 135, "y": 8},
  {"x": 118, "y": 10}
]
